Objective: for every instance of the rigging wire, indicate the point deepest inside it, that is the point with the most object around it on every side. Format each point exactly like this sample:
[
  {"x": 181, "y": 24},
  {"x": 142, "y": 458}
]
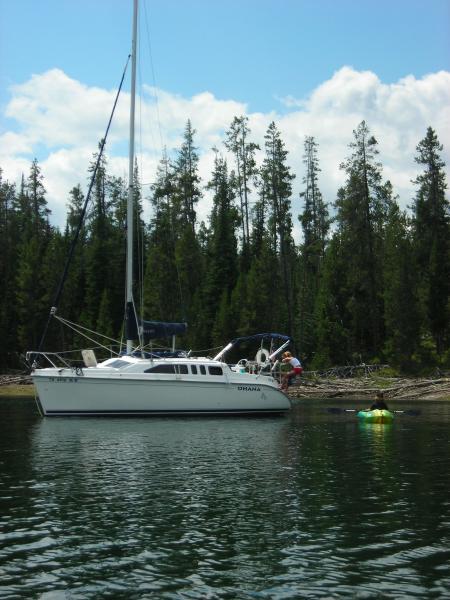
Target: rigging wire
[
  {"x": 162, "y": 150},
  {"x": 73, "y": 244},
  {"x": 73, "y": 325},
  {"x": 158, "y": 119},
  {"x": 74, "y": 328}
]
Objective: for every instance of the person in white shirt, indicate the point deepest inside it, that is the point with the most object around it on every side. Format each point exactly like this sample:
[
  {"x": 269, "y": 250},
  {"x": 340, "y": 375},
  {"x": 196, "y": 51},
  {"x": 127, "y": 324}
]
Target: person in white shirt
[{"x": 288, "y": 378}]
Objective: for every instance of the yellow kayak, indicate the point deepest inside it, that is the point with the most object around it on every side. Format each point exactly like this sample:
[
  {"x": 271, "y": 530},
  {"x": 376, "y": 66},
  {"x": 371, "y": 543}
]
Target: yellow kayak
[{"x": 376, "y": 416}]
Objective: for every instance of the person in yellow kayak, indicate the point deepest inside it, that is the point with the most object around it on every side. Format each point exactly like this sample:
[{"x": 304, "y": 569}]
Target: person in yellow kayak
[{"x": 379, "y": 403}]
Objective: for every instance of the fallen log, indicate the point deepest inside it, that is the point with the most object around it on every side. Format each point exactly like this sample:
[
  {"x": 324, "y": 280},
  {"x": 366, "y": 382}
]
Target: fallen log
[
  {"x": 432, "y": 389},
  {"x": 15, "y": 380}
]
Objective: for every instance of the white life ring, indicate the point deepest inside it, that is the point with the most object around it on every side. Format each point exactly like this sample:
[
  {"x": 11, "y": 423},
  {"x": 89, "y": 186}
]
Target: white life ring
[{"x": 262, "y": 356}]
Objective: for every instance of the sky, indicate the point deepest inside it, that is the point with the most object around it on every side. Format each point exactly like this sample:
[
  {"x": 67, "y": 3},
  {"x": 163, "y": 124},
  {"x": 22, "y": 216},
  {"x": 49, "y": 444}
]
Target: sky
[{"x": 315, "y": 67}]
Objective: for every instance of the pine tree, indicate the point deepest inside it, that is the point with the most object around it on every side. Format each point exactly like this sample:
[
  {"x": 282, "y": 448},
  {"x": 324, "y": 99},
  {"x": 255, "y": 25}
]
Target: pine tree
[
  {"x": 259, "y": 214},
  {"x": 277, "y": 189},
  {"x": 362, "y": 207},
  {"x": 31, "y": 286},
  {"x": 187, "y": 191},
  {"x": 72, "y": 303},
  {"x": 9, "y": 237},
  {"x": 162, "y": 299},
  {"x": 100, "y": 247},
  {"x": 245, "y": 169},
  {"x": 185, "y": 196},
  {"x": 401, "y": 315},
  {"x": 331, "y": 310},
  {"x": 221, "y": 270},
  {"x": 262, "y": 305},
  {"x": 36, "y": 195},
  {"x": 431, "y": 224},
  {"x": 111, "y": 307},
  {"x": 315, "y": 225},
  {"x": 54, "y": 254},
  {"x": 314, "y": 219}
]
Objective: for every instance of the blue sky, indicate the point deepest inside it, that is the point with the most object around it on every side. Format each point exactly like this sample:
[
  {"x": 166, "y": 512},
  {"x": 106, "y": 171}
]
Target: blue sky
[
  {"x": 253, "y": 51},
  {"x": 308, "y": 64}
]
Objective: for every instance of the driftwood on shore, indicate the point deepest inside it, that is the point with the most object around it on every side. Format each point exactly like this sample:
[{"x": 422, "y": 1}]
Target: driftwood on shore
[
  {"x": 394, "y": 388},
  {"x": 20, "y": 379}
]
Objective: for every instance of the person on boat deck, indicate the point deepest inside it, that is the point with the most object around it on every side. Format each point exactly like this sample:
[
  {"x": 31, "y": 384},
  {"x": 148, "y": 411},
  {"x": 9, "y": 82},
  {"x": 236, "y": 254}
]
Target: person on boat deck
[
  {"x": 288, "y": 378},
  {"x": 379, "y": 403}
]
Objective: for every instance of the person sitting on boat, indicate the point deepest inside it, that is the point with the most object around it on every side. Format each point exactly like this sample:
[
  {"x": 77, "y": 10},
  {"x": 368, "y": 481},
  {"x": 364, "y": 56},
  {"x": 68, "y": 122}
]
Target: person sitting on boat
[
  {"x": 288, "y": 378},
  {"x": 379, "y": 403}
]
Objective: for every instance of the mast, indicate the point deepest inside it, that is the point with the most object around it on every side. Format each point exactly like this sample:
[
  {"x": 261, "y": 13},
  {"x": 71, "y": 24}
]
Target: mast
[{"x": 130, "y": 313}]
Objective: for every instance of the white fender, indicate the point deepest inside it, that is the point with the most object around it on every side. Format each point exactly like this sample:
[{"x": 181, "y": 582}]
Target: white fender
[{"x": 262, "y": 356}]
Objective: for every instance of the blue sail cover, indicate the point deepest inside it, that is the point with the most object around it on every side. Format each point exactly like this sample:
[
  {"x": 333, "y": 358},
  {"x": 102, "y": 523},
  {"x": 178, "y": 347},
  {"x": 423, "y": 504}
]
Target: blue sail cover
[{"x": 152, "y": 330}]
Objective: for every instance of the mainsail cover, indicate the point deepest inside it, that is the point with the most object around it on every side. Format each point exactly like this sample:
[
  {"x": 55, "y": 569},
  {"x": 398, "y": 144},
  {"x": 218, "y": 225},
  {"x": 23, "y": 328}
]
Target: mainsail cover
[{"x": 152, "y": 330}]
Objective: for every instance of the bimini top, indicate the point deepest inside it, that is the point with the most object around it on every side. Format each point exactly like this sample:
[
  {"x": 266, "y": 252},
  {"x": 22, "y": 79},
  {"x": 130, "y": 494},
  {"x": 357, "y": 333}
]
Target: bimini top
[{"x": 261, "y": 336}]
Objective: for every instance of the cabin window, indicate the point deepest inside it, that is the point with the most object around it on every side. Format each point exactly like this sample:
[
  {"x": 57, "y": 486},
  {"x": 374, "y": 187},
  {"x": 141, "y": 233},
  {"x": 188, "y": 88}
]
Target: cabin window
[
  {"x": 194, "y": 369},
  {"x": 215, "y": 370},
  {"x": 161, "y": 369},
  {"x": 117, "y": 364},
  {"x": 202, "y": 369},
  {"x": 182, "y": 369}
]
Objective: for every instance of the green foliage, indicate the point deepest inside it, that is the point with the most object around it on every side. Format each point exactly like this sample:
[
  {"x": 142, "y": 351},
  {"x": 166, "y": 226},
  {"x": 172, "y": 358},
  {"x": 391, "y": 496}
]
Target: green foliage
[
  {"x": 377, "y": 288},
  {"x": 276, "y": 189},
  {"x": 385, "y": 374},
  {"x": 221, "y": 259},
  {"x": 401, "y": 315},
  {"x": 331, "y": 310},
  {"x": 187, "y": 181},
  {"x": 362, "y": 207},
  {"x": 315, "y": 225},
  {"x": 244, "y": 158},
  {"x": 431, "y": 230}
]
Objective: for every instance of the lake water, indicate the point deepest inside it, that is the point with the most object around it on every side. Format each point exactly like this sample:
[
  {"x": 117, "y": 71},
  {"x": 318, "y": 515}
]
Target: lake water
[{"x": 311, "y": 505}]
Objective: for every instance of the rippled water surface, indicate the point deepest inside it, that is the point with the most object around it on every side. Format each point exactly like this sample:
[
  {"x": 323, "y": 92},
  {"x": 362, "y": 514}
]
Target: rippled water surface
[{"x": 311, "y": 505}]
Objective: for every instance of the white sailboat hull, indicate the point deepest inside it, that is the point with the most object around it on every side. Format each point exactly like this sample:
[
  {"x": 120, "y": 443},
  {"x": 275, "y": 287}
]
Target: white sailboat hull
[{"x": 63, "y": 394}]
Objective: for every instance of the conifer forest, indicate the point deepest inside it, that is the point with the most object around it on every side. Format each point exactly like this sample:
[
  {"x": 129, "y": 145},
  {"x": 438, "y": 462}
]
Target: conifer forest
[{"x": 366, "y": 282}]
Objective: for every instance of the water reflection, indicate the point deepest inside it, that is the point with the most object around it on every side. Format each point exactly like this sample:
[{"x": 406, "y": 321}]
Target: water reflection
[{"x": 307, "y": 505}]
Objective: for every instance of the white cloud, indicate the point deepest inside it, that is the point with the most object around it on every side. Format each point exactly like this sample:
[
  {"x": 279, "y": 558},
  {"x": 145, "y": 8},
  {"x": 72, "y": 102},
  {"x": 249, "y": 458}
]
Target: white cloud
[
  {"x": 397, "y": 114},
  {"x": 54, "y": 110},
  {"x": 61, "y": 120},
  {"x": 15, "y": 144}
]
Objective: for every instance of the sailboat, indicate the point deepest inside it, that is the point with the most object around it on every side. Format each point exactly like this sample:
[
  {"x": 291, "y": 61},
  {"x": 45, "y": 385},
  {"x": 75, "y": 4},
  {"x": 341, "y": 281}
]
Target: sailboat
[{"x": 136, "y": 383}]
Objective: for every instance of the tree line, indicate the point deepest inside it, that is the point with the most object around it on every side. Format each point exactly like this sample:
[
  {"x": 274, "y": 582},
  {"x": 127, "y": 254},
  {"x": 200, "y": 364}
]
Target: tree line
[{"x": 368, "y": 282}]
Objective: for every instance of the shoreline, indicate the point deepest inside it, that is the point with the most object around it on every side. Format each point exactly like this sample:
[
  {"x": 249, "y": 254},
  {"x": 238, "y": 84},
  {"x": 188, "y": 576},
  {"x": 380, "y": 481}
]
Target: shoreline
[
  {"x": 17, "y": 390},
  {"x": 363, "y": 388}
]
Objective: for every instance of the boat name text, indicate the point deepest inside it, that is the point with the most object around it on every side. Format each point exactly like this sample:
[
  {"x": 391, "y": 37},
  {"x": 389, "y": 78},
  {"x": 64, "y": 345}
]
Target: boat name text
[{"x": 249, "y": 388}]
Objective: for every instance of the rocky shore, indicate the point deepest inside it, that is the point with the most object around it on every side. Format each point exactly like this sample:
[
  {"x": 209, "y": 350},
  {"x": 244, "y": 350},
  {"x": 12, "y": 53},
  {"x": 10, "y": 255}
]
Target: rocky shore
[
  {"x": 16, "y": 385},
  {"x": 394, "y": 388}
]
